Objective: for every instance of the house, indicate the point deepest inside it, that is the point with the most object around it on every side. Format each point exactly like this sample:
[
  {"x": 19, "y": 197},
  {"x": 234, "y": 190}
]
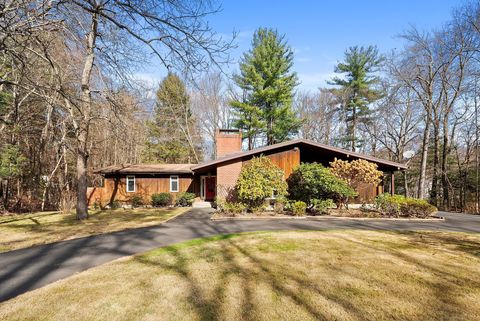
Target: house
[{"x": 218, "y": 177}]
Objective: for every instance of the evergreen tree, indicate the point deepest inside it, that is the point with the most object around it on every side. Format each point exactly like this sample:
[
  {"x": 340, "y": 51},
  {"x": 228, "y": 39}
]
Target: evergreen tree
[
  {"x": 268, "y": 84},
  {"x": 357, "y": 88},
  {"x": 171, "y": 136}
]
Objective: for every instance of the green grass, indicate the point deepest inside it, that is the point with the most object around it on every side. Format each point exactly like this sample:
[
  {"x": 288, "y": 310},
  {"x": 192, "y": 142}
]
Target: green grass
[
  {"x": 24, "y": 230},
  {"x": 329, "y": 275}
]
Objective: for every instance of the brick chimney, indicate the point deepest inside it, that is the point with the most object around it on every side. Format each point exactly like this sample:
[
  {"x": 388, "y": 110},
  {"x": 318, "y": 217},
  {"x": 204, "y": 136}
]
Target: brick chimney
[{"x": 228, "y": 141}]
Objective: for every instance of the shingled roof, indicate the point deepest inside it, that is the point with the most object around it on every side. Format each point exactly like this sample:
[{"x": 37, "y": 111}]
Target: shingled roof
[{"x": 146, "y": 169}]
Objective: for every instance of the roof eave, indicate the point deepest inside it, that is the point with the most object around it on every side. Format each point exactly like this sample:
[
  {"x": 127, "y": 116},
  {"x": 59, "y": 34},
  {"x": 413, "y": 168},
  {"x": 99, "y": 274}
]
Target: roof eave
[
  {"x": 143, "y": 172},
  {"x": 387, "y": 163}
]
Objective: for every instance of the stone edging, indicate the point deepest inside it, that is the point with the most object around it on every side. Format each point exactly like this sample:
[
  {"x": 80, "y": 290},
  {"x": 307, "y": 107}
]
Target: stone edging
[{"x": 328, "y": 218}]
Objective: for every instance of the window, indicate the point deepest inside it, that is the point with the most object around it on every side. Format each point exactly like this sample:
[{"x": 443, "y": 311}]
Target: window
[
  {"x": 173, "y": 183},
  {"x": 130, "y": 183}
]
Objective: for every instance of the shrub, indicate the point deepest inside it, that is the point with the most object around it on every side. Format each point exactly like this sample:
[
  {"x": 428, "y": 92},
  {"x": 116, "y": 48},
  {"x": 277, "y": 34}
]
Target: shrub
[
  {"x": 185, "y": 199},
  {"x": 115, "y": 204},
  {"x": 313, "y": 181},
  {"x": 161, "y": 199},
  {"x": 298, "y": 208},
  {"x": 322, "y": 206},
  {"x": 234, "y": 207},
  {"x": 356, "y": 172},
  {"x": 259, "y": 179},
  {"x": 398, "y": 205},
  {"x": 136, "y": 201},
  {"x": 279, "y": 205},
  {"x": 219, "y": 203}
]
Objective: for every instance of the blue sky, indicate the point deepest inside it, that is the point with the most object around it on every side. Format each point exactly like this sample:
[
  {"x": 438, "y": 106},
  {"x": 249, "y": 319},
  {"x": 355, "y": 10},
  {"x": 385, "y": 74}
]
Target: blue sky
[{"x": 320, "y": 31}]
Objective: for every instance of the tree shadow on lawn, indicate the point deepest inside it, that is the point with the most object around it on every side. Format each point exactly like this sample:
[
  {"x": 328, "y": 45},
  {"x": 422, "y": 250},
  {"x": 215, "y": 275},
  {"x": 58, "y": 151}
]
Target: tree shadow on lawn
[
  {"x": 209, "y": 307},
  {"x": 33, "y": 267},
  {"x": 465, "y": 244},
  {"x": 447, "y": 299},
  {"x": 258, "y": 270}
]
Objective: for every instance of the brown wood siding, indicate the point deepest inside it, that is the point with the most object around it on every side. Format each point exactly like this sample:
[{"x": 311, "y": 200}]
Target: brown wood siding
[
  {"x": 366, "y": 193},
  {"x": 286, "y": 160},
  {"x": 146, "y": 185}
]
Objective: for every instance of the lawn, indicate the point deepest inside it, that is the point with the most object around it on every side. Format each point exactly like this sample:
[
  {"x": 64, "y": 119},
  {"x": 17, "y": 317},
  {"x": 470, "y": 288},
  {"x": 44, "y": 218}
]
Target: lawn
[
  {"x": 24, "y": 230},
  {"x": 321, "y": 275}
]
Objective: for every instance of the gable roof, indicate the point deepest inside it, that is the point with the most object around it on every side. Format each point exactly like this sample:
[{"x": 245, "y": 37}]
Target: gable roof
[
  {"x": 146, "y": 169},
  {"x": 302, "y": 142},
  {"x": 191, "y": 168}
]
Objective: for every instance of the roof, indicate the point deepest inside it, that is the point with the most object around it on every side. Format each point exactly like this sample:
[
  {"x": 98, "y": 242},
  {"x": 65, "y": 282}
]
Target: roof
[
  {"x": 190, "y": 168},
  {"x": 146, "y": 169},
  {"x": 302, "y": 142}
]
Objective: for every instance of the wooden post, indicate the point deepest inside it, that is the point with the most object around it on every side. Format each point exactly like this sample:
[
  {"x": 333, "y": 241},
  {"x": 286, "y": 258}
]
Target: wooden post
[{"x": 392, "y": 184}]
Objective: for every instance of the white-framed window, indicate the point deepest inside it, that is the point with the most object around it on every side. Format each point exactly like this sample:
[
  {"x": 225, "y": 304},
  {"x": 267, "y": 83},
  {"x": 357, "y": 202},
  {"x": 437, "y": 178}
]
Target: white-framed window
[
  {"x": 131, "y": 183},
  {"x": 174, "y": 183}
]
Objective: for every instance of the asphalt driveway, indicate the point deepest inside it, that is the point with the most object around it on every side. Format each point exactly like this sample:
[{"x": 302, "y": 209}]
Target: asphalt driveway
[{"x": 27, "y": 269}]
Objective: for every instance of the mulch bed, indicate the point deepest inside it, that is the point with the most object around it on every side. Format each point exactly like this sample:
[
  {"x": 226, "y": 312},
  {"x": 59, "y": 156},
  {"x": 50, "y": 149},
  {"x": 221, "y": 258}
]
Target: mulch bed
[
  {"x": 352, "y": 212},
  {"x": 253, "y": 215}
]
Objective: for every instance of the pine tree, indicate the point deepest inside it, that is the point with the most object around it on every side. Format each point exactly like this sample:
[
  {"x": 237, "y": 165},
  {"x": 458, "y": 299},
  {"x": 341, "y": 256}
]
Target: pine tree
[
  {"x": 171, "y": 133},
  {"x": 359, "y": 67},
  {"x": 268, "y": 84}
]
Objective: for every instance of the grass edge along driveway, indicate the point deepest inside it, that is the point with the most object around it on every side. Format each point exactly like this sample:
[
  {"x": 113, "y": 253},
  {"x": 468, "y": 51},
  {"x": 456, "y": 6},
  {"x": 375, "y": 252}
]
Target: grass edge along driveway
[
  {"x": 25, "y": 230},
  {"x": 314, "y": 275}
]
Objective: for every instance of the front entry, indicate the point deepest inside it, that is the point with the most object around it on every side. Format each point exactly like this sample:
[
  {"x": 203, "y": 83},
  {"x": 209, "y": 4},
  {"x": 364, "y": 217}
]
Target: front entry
[
  {"x": 208, "y": 188},
  {"x": 209, "y": 185}
]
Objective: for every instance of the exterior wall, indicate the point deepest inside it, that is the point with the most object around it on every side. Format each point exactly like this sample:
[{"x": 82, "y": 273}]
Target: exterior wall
[
  {"x": 286, "y": 160},
  {"x": 227, "y": 176},
  {"x": 367, "y": 193},
  {"x": 145, "y": 185},
  {"x": 227, "y": 142}
]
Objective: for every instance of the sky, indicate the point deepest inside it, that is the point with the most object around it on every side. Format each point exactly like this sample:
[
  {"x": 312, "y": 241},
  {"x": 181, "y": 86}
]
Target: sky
[{"x": 320, "y": 31}]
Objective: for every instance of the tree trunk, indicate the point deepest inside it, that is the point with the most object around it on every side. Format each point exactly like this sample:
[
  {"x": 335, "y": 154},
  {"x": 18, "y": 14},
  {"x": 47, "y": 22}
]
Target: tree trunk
[
  {"x": 84, "y": 124},
  {"x": 82, "y": 206},
  {"x": 436, "y": 161},
  {"x": 354, "y": 125},
  {"x": 423, "y": 163},
  {"x": 477, "y": 172},
  {"x": 445, "y": 152}
]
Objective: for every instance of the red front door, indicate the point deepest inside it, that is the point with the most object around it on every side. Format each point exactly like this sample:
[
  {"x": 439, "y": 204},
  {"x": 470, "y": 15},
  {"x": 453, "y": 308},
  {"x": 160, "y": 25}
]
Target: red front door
[{"x": 210, "y": 183}]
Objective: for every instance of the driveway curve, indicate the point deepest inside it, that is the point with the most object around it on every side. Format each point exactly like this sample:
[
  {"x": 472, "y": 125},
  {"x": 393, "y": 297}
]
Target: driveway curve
[{"x": 27, "y": 269}]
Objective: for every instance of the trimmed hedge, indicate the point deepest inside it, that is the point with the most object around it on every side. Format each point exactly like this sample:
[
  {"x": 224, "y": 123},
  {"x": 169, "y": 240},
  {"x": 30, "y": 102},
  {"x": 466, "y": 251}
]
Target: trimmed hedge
[
  {"x": 398, "y": 205},
  {"x": 161, "y": 199}
]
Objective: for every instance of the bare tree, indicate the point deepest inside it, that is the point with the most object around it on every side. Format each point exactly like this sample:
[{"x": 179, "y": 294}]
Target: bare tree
[
  {"x": 211, "y": 104},
  {"x": 418, "y": 70},
  {"x": 319, "y": 112},
  {"x": 176, "y": 32}
]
